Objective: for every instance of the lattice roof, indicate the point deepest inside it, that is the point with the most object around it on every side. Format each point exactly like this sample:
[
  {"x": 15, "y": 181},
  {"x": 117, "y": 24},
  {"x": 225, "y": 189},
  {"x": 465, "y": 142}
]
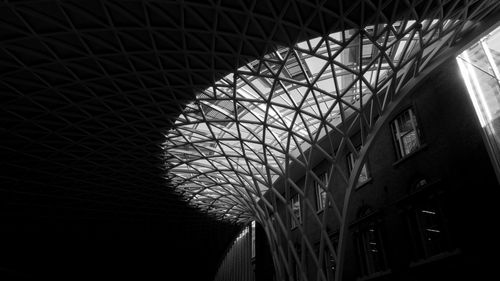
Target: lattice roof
[
  {"x": 89, "y": 92},
  {"x": 242, "y": 133}
]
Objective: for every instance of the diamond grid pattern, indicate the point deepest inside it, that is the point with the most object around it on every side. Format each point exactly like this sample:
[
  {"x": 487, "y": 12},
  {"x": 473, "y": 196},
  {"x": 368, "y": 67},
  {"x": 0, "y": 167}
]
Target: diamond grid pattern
[
  {"x": 228, "y": 150},
  {"x": 242, "y": 133},
  {"x": 89, "y": 92}
]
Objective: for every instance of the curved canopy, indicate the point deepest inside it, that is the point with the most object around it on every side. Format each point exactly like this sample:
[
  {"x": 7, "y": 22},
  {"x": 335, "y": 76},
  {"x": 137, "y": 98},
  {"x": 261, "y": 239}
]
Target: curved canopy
[{"x": 230, "y": 145}]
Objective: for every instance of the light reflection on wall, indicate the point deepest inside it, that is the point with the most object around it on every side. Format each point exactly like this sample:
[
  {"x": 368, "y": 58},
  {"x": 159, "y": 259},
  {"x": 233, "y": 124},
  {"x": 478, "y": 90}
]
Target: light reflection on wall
[
  {"x": 479, "y": 66},
  {"x": 237, "y": 263}
]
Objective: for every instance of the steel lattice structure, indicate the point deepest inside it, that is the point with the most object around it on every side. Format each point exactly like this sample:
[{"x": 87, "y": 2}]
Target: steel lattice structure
[
  {"x": 90, "y": 90},
  {"x": 231, "y": 145},
  {"x": 239, "y": 136}
]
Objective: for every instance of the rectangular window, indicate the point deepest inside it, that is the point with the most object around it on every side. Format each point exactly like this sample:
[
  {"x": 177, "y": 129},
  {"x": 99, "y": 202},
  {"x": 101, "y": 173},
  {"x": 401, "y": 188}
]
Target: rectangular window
[
  {"x": 295, "y": 204},
  {"x": 320, "y": 188},
  {"x": 428, "y": 230},
  {"x": 370, "y": 250},
  {"x": 367, "y": 51},
  {"x": 363, "y": 176},
  {"x": 405, "y": 133}
]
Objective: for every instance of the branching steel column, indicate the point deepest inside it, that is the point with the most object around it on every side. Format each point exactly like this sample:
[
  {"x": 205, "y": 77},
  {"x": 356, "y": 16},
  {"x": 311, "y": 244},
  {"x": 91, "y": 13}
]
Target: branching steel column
[{"x": 248, "y": 146}]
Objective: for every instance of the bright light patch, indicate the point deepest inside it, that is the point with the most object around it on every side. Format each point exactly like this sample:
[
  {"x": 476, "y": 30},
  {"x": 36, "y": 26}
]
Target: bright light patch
[
  {"x": 479, "y": 68},
  {"x": 243, "y": 132}
]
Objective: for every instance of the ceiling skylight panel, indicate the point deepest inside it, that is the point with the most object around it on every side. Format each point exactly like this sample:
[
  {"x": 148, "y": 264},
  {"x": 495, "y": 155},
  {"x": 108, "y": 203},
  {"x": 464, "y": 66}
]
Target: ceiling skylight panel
[{"x": 272, "y": 110}]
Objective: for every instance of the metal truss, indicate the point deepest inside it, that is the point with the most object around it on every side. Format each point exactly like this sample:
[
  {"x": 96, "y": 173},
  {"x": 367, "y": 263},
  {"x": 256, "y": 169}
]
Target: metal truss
[{"x": 252, "y": 128}]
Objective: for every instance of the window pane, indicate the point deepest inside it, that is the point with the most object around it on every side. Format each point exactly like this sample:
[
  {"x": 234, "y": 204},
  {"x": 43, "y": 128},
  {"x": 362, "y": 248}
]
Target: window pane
[
  {"x": 431, "y": 229},
  {"x": 370, "y": 249},
  {"x": 405, "y": 133},
  {"x": 321, "y": 199},
  {"x": 363, "y": 176},
  {"x": 320, "y": 192},
  {"x": 404, "y": 122},
  {"x": 296, "y": 210},
  {"x": 410, "y": 142},
  {"x": 373, "y": 250}
]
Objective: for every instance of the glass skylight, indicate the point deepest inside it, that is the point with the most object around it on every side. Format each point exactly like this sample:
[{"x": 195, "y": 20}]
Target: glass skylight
[{"x": 238, "y": 137}]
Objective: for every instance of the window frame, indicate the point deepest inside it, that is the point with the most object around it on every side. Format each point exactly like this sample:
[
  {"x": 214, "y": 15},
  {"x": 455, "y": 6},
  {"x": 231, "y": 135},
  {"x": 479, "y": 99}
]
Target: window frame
[
  {"x": 320, "y": 192},
  {"x": 368, "y": 265},
  {"x": 296, "y": 218},
  {"x": 397, "y": 136},
  {"x": 364, "y": 170},
  {"x": 424, "y": 221},
  {"x": 424, "y": 198}
]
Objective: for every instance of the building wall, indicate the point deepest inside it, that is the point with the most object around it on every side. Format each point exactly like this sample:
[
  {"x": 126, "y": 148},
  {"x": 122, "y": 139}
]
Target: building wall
[
  {"x": 238, "y": 261},
  {"x": 454, "y": 163},
  {"x": 451, "y": 171}
]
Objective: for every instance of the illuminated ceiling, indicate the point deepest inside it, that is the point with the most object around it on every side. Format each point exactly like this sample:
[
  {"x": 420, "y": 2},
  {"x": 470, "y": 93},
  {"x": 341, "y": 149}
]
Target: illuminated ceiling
[
  {"x": 241, "y": 134},
  {"x": 90, "y": 91}
]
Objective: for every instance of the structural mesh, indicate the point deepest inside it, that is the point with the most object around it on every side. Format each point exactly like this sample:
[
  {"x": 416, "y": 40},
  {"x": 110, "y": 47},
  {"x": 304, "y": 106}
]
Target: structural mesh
[{"x": 245, "y": 133}]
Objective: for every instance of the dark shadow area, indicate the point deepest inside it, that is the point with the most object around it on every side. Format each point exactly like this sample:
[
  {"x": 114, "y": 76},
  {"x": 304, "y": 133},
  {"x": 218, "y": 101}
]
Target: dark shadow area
[{"x": 89, "y": 250}]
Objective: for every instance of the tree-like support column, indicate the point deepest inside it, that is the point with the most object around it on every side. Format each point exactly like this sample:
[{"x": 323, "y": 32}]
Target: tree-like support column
[{"x": 269, "y": 141}]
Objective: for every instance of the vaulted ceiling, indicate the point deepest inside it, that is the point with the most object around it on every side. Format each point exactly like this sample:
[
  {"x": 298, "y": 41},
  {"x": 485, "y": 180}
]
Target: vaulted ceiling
[{"x": 89, "y": 88}]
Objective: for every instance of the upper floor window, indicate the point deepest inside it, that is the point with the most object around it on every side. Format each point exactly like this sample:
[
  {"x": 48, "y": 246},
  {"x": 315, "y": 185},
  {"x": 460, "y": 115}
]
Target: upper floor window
[
  {"x": 405, "y": 133},
  {"x": 320, "y": 189},
  {"x": 363, "y": 175},
  {"x": 295, "y": 204}
]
